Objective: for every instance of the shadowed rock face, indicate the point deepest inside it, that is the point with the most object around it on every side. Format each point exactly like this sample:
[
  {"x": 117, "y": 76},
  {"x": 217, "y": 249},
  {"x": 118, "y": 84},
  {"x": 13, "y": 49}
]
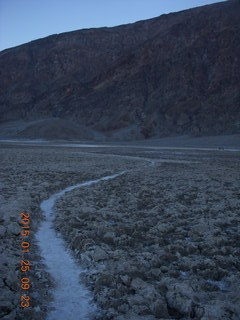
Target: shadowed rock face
[{"x": 174, "y": 74}]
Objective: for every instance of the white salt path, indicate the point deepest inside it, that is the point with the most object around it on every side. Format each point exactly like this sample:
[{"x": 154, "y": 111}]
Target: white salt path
[{"x": 72, "y": 300}]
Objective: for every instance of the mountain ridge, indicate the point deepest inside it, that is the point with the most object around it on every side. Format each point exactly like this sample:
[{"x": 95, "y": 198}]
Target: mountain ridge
[{"x": 174, "y": 74}]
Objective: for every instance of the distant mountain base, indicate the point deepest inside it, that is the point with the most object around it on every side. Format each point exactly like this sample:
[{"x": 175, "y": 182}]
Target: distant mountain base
[{"x": 59, "y": 130}]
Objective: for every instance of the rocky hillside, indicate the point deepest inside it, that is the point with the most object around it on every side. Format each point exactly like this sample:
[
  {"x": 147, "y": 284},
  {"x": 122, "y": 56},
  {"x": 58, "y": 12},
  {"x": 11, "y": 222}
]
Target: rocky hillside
[{"x": 174, "y": 74}]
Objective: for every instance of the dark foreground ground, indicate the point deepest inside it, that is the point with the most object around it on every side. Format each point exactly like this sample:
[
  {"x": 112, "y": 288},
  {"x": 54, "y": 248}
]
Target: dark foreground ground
[{"x": 159, "y": 242}]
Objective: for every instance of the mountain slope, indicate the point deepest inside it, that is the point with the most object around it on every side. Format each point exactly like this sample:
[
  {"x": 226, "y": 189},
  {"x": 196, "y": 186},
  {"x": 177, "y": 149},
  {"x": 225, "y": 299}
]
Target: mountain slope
[{"x": 178, "y": 73}]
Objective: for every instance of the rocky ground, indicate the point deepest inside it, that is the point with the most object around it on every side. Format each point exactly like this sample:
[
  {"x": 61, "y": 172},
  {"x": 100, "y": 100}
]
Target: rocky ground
[{"x": 159, "y": 242}]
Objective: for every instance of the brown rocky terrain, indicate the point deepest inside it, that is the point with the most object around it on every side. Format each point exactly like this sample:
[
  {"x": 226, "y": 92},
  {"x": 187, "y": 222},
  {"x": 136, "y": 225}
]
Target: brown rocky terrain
[{"x": 177, "y": 73}]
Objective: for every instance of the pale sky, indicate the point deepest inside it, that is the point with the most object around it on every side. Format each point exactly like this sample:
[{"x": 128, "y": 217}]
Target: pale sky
[{"x": 25, "y": 20}]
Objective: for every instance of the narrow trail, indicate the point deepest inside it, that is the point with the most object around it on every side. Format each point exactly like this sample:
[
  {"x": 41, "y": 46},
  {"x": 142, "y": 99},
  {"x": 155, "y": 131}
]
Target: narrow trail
[{"x": 72, "y": 300}]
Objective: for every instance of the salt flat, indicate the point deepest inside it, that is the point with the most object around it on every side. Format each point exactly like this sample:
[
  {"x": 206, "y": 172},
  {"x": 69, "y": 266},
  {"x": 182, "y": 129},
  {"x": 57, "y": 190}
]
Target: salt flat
[{"x": 159, "y": 242}]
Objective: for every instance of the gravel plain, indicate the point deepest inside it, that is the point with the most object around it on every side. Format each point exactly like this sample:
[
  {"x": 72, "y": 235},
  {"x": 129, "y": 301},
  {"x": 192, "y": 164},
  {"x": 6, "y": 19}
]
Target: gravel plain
[{"x": 159, "y": 242}]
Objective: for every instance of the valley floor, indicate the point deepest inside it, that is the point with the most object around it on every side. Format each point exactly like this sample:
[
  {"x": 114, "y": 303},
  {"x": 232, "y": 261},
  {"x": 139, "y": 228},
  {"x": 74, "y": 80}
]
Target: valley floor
[{"x": 158, "y": 242}]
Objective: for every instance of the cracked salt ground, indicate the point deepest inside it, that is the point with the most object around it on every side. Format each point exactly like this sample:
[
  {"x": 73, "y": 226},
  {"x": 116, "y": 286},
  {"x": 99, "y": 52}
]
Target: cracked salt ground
[
  {"x": 72, "y": 300},
  {"x": 184, "y": 274},
  {"x": 220, "y": 284}
]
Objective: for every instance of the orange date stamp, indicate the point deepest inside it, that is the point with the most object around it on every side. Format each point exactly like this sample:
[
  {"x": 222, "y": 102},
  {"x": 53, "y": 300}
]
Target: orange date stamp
[{"x": 25, "y": 262}]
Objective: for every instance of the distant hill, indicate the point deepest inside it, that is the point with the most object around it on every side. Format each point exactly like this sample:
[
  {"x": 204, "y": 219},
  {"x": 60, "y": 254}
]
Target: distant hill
[{"x": 174, "y": 74}]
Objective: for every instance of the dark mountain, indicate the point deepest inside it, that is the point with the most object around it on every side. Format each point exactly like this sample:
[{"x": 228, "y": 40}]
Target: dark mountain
[{"x": 174, "y": 74}]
